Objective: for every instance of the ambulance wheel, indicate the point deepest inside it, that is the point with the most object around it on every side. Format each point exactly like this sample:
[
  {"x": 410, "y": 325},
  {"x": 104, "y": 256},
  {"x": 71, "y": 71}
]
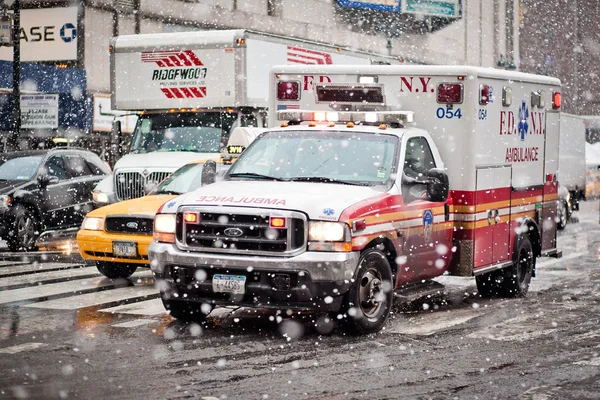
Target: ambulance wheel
[
  {"x": 115, "y": 270},
  {"x": 517, "y": 278},
  {"x": 185, "y": 310},
  {"x": 369, "y": 300},
  {"x": 563, "y": 215}
]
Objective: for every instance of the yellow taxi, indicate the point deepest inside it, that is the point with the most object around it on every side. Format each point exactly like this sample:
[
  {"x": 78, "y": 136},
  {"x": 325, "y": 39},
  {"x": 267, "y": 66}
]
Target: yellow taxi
[{"x": 116, "y": 237}]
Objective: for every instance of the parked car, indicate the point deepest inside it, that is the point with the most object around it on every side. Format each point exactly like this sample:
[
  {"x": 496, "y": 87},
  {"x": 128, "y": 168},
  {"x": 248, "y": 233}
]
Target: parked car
[
  {"x": 116, "y": 237},
  {"x": 45, "y": 190}
]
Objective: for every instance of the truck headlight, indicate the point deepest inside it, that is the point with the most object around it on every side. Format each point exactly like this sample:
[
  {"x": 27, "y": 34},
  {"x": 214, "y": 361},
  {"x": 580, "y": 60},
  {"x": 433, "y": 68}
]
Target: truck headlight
[
  {"x": 329, "y": 236},
  {"x": 100, "y": 197},
  {"x": 4, "y": 201},
  {"x": 93, "y": 224},
  {"x": 164, "y": 228}
]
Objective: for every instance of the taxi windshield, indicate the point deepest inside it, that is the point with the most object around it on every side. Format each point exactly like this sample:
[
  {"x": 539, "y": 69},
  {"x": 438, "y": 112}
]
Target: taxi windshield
[
  {"x": 320, "y": 156},
  {"x": 185, "y": 179}
]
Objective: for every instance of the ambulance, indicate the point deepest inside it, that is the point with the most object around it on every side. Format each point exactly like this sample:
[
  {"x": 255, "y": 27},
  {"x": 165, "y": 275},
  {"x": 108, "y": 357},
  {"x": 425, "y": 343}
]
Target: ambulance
[{"x": 379, "y": 179}]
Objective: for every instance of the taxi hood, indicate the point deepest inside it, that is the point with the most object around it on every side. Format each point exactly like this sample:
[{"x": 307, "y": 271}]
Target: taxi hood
[
  {"x": 324, "y": 201},
  {"x": 168, "y": 160},
  {"x": 144, "y": 206}
]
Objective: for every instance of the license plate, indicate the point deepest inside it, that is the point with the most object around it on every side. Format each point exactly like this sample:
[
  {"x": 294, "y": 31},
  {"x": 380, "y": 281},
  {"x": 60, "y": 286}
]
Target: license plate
[
  {"x": 125, "y": 249},
  {"x": 235, "y": 284}
]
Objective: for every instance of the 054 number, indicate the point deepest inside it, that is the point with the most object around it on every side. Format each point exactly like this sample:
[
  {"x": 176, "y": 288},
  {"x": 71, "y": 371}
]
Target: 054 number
[{"x": 448, "y": 113}]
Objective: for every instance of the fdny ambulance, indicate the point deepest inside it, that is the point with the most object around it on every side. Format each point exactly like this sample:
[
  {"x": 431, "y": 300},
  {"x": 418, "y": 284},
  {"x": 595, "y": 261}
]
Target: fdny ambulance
[{"x": 378, "y": 179}]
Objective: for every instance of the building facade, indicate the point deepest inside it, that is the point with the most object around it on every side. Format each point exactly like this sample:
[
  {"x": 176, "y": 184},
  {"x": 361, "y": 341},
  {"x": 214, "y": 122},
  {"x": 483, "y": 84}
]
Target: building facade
[{"x": 474, "y": 32}]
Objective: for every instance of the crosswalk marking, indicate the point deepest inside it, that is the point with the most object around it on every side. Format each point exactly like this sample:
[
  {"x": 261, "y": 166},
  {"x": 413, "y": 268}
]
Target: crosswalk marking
[
  {"x": 135, "y": 323},
  {"x": 146, "y": 308},
  {"x": 105, "y": 297},
  {"x": 34, "y": 268},
  {"x": 53, "y": 289},
  {"x": 20, "y": 280},
  {"x": 21, "y": 347}
]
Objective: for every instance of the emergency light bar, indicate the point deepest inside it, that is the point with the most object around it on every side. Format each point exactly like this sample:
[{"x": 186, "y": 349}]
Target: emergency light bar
[
  {"x": 379, "y": 117},
  {"x": 350, "y": 93}
]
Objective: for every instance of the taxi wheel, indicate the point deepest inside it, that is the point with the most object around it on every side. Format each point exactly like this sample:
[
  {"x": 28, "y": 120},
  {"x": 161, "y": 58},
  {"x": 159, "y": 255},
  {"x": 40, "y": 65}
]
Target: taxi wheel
[
  {"x": 115, "y": 270},
  {"x": 368, "y": 302},
  {"x": 187, "y": 311}
]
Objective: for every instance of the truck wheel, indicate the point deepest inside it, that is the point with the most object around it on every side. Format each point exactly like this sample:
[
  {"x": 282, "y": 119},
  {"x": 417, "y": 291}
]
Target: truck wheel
[
  {"x": 185, "y": 311},
  {"x": 25, "y": 230},
  {"x": 369, "y": 300},
  {"x": 563, "y": 215},
  {"x": 115, "y": 270},
  {"x": 516, "y": 278}
]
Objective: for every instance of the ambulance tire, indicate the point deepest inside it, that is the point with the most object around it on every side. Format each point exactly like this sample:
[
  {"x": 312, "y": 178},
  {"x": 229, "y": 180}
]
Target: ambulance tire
[
  {"x": 185, "y": 311},
  {"x": 518, "y": 276},
  {"x": 115, "y": 270},
  {"x": 367, "y": 304}
]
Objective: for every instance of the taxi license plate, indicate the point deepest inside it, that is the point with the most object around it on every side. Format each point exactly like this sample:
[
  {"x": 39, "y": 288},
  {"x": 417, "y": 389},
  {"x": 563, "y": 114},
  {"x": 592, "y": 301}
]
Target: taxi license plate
[
  {"x": 125, "y": 249},
  {"x": 235, "y": 284}
]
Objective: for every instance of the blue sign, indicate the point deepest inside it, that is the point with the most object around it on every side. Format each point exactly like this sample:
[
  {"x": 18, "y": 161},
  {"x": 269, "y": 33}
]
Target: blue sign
[
  {"x": 68, "y": 32},
  {"x": 379, "y": 5}
]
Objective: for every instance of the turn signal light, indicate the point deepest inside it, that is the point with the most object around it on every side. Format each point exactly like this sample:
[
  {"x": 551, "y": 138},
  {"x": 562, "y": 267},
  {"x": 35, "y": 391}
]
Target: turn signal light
[
  {"x": 277, "y": 222},
  {"x": 191, "y": 217}
]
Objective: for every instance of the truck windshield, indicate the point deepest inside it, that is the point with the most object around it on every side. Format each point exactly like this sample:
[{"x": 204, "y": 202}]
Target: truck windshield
[
  {"x": 204, "y": 132},
  {"x": 312, "y": 156}
]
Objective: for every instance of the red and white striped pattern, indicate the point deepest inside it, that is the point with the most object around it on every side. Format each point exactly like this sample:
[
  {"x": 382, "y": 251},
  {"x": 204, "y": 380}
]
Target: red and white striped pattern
[
  {"x": 185, "y": 92},
  {"x": 174, "y": 58},
  {"x": 297, "y": 55}
]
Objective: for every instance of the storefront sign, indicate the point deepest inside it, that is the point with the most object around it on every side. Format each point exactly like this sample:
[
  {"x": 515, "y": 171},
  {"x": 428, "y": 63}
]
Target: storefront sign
[
  {"x": 39, "y": 111},
  {"x": 47, "y": 34},
  {"x": 434, "y": 8}
]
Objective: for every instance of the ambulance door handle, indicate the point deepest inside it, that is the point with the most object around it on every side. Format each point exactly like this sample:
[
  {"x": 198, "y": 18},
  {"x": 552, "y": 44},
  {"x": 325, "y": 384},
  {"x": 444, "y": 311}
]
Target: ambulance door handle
[
  {"x": 496, "y": 215},
  {"x": 489, "y": 217}
]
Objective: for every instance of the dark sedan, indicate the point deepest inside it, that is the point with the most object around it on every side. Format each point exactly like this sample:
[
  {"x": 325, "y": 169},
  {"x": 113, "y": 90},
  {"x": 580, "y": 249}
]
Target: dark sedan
[{"x": 45, "y": 190}]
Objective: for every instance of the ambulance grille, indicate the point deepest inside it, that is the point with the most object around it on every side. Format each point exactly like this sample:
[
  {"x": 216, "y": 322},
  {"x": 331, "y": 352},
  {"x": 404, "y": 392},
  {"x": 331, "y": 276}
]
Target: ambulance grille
[
  {"x": 238, "y": 233},
  {"x": 132, "y": 185}
]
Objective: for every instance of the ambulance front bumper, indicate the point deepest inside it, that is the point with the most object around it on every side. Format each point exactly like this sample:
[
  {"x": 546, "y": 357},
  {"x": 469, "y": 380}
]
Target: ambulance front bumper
[{"x": 311, "y": 280}]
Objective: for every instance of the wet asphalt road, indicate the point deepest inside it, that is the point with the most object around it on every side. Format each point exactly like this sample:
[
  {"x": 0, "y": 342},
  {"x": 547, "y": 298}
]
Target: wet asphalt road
[{"x": 67, "y": 332}]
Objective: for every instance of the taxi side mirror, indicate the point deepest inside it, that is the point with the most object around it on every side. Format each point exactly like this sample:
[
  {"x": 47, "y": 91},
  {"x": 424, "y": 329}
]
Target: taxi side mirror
[
  {"x": 209, "y": 172},
  {"x": 438, "y": 185}
]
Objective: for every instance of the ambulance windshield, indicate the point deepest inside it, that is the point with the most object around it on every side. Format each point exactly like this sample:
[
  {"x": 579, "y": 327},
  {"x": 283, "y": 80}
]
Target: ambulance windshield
[
  {"x": 330, "y": 157},
  {"x": 204, "y": 132}
]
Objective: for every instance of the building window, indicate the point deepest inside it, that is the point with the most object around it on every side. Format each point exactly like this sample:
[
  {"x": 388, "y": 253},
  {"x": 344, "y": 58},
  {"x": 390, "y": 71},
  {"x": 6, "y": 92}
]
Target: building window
[{"x": 274, "y": 8}]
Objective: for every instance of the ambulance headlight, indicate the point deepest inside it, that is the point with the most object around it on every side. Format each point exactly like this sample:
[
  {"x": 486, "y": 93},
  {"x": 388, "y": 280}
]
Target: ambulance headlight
[
  {"x": 329, "y": 236},
  {"x": 164, "y": 228}
]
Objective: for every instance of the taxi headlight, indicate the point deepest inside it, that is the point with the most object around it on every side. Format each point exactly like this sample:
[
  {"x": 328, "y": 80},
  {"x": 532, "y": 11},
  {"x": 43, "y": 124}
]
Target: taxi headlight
[
  {"x": 100, "y": 197},
  {"x": 326, "y": 231},
  {"x": 93, "y": 224},
  {"x": 164, "y": 228}
]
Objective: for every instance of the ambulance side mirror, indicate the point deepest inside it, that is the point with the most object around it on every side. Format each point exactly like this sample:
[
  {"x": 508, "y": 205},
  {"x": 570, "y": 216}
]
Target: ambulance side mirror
[
  {"x": 437, "y": 185},
  {"x": 209, "y": 172}
]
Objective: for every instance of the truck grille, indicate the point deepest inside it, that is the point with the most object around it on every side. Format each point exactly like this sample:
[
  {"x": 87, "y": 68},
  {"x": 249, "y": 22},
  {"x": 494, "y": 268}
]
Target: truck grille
[
  {"x": 235, "y": 232},
  {"x": 139, "y": 225},
  {"x": 131, "y": 185}
]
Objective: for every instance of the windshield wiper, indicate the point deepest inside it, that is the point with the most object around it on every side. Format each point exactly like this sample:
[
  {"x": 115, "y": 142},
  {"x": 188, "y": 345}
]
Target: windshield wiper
[
  {"x": 324, "y": 179},
  {"x": 256, "y": 176}
]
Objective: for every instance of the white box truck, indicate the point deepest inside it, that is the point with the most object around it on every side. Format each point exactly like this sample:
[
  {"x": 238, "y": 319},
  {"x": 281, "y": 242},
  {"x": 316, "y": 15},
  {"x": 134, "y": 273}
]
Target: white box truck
[
  {"x": 192, "y": 88},
  {"x": 572, "y": 167}
]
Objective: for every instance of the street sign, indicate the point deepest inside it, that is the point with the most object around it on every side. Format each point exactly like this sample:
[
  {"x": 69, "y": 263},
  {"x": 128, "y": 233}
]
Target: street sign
[
  {"x": 39, "y": 111},
  {"x": 5, "y": 30}
]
